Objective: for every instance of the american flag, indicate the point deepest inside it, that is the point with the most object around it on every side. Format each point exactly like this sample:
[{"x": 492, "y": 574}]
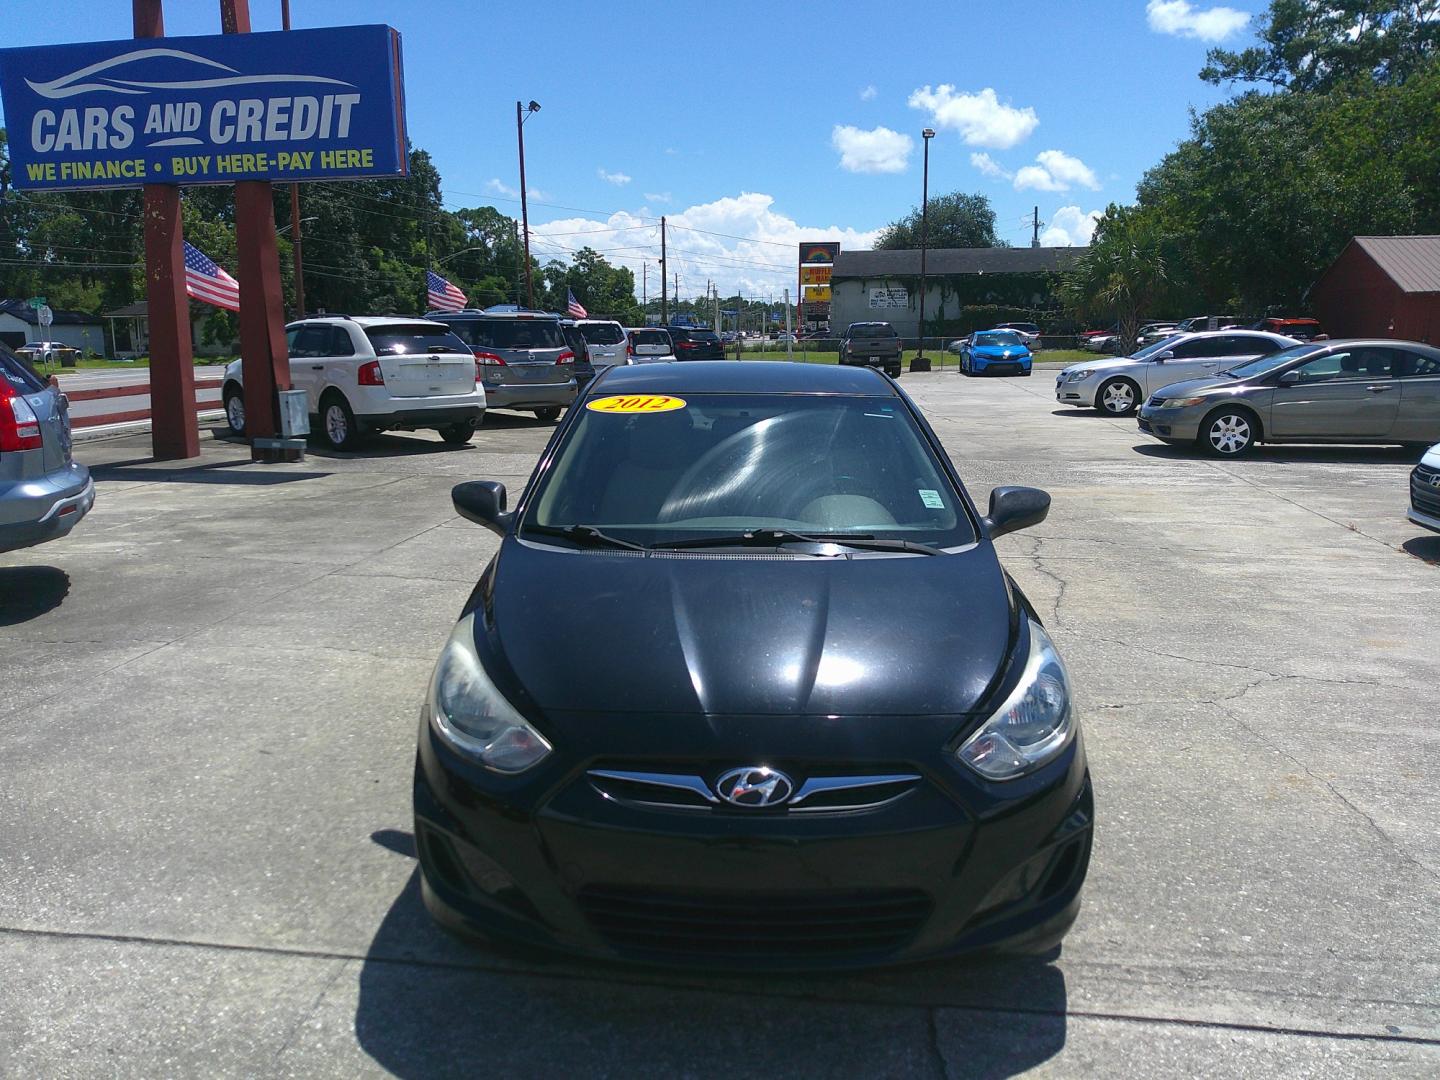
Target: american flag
[
  {"x": 206, "y": 282},
  {"x": 441, "y": 295},
  {"x": 574, "y": 307}
]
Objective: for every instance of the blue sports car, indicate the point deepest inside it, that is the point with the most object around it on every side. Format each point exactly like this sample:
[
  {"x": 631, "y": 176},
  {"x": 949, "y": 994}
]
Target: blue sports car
[{"x": 995, "y": 352}]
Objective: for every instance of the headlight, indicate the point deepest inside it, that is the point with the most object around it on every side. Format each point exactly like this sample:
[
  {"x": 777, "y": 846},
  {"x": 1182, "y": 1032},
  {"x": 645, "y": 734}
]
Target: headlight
[
  {"x": 1077, "y": 376},
  {"x": 1180, "y": 402},
  {"x": 1033, "y": 725},
  {"x": 469, "y": 713}
]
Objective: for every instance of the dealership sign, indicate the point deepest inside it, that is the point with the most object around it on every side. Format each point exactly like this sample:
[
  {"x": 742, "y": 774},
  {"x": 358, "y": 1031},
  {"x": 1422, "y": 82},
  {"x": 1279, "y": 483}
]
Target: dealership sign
[
  {"x": 295, "y": 105},
  {"x": 889, "y": 298}
]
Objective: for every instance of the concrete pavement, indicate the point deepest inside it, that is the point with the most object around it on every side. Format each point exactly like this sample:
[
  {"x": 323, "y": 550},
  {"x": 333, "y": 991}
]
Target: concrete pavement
[{"x": 207, "y": 718}]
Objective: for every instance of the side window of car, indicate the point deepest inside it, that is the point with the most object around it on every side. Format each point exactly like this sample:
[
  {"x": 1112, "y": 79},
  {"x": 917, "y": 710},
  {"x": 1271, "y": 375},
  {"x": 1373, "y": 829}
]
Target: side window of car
[
  {"x": 290, "y": 336},
  {"x": 310, "y": 342},
  {"x": 340, "y": 343},
  {"x": 1195, "y": 347},
  {"x": 1336, "y": 365},
  {"x": 1415, "y": 365},
  {"x": 1380, "y": 363},
  {"x": 1243, "y": 345}
]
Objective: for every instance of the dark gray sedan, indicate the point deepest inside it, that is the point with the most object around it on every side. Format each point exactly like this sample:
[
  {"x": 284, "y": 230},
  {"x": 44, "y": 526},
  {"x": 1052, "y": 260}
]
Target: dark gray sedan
[
  {"x": 43, "y": 492},
  {"x": 1349, "y": 391}
]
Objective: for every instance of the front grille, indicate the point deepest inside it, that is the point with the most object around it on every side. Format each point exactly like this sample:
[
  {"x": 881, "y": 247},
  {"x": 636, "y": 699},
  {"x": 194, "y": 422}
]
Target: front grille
[
  {"x": 690, "y": 791},
  {"x": 1155, "y": 400},
  {"x": 754, "y": 925},
  {"x": 1424, "y": 495}
]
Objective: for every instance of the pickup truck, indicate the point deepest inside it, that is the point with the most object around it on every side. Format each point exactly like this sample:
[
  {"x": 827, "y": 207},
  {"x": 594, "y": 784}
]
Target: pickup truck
[{"x": 873, "y": 344}]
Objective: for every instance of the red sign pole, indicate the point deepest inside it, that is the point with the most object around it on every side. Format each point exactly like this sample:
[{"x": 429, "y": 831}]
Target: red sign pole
[
  {"x": 265, "y": 362},
  {"x": 174, "y": 432}
]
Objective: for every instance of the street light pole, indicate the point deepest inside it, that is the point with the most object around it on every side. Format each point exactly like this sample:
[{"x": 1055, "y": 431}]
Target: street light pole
[
  {"x": 522, "y": 112},
  {"x": 921, "y": 361}
]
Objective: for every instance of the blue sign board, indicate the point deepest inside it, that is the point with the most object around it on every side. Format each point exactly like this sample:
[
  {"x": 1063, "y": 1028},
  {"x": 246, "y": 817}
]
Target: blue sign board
[{"x": 293, "y": 105}]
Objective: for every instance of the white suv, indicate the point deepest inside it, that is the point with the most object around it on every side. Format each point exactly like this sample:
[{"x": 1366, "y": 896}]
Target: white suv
[{"x": 375, "y": 374}]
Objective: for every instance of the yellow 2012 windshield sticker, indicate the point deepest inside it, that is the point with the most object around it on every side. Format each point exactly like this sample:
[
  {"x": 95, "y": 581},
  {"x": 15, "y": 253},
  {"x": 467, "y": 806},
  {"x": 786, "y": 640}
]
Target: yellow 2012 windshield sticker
[{"x": 635, "y": 403}]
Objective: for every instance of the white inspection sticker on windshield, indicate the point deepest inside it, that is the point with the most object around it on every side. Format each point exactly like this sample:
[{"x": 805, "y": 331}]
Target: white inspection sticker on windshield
[{"x": 931, "y": 499}]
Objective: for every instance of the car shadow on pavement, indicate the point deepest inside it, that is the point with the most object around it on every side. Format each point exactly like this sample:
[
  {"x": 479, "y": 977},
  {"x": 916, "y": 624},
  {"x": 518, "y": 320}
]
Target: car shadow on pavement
[
  {"x": 1315, "y": 454},
  {"x": 149, "y": 471},
  {"x": 27, "y": 592},
  {"x": 433, "y": 1006},
  {"x": 1424, "y": 548}
]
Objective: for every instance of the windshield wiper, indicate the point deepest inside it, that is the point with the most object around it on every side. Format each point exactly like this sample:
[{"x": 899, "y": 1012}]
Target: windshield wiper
[
  {"x": 584, "y": 534},
  {"x": 775, "y": 537}
]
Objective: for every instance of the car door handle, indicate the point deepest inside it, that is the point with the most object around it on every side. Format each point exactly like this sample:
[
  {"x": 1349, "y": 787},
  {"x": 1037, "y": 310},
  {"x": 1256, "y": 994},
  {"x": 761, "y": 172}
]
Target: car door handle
[
  {"x": 1377, "y": 389},
  {"x": 317, "y": 367}
]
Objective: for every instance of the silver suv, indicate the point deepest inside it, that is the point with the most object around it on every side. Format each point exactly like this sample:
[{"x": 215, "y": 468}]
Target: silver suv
[
  {"x": 43, "y": 492},
  {"x": 523, "y": 355}
]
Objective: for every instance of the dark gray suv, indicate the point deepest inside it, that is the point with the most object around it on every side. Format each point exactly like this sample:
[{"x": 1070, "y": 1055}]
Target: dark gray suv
[
  {"x": 43, "y": 492},
  {"x": 526, "y": 361}
]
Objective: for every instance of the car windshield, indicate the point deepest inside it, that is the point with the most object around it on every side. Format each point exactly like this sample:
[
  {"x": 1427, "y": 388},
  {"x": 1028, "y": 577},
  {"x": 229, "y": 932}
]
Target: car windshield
[
  {"x": 872, "y": 330},
  {"x": 419, "y": 338},
  {"x": 998, "y": 337},
  {"x": 721, "y": 464},
  {"x": 510, "y": 333},
  {"x": 1270, "y": 363},
  {"x": 602, "y": 333}
]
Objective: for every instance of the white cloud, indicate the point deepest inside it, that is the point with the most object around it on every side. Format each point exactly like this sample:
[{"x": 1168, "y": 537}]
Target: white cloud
[
  {"x": 1070, "y": 227},
  {"x": 868, "y": 94},
  {"x": 760, "y": 263},
  {"x": 499, "y": 187},
  {"x": 877, "y": 151},
  {"x": 990, "y": 167},
  {"x": 619, "y": 179},
  {"x": 1180, "y": 19},
  {"x": 1056, "y": 171},
  {"x": 657, "y": 196},
  {"x": 981, "y": 119}
]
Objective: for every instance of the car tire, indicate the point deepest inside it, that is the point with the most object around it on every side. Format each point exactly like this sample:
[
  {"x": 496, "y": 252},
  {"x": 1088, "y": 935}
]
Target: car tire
[
  {"x": 1118, "y": 397},
  {"x": 1229, "y": 432},
  {"x": 338, "y": 427},
  {"x": 235, "y": 410},
  {"x": 457, "y": 434},
  {"x": 548, "y": 415}
]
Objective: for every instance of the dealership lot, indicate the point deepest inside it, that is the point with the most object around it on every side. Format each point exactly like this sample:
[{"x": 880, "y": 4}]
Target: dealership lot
[{"x": 208, "y": 715}]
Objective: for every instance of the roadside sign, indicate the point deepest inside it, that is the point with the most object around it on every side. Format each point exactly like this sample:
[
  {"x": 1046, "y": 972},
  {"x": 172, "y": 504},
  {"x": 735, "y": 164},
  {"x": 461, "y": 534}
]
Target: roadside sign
[
  {"x": 37, "y": 302},
  {"x": 45, "y": 315},
  {"x": 325, "y": 104}
]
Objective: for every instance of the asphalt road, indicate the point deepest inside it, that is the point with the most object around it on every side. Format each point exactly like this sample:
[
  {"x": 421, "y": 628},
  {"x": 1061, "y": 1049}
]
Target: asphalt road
[
  {"x": 102, "y": 378},
  {"x": 207, "y": 722}
]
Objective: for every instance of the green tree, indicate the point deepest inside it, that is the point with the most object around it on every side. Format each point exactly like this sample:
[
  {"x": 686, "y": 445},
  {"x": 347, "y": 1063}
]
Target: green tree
[
  {"x": 956, "y": 220},
  {"x": 1125, "y": 272},
  {"x": 1306, "y": 45}
]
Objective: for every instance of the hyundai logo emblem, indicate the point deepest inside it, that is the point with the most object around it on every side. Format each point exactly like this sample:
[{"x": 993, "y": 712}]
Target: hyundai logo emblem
[
  {"x": 755, "y": 785},
  {"x": 1435, "y": 480}
]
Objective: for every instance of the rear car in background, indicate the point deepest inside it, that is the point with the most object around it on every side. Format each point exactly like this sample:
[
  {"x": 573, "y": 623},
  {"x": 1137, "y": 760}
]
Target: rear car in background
[
  {"x": 648, "y": 345},
  {"x": 368, "y": 374},
  {"x": 872, "y": 344},
  {"x": 1299, "y": 329},
  {"x": 1425, "y": 491},
  {"x": 1153, "y": 332},
  {"x": 43, "y": 492},
  {"x": 1029, "y": 332},
  {"x": 604, "y": 341},
  {"x": 1354, "y": 391},
  {"x": 696, "y": 343},
  {"x": 522, "y": 358}
]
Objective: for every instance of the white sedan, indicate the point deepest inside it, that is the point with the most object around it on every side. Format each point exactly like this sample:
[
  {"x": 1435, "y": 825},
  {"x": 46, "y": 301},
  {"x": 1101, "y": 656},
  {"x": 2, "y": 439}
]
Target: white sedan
[{"x": 1118, "y": 385}]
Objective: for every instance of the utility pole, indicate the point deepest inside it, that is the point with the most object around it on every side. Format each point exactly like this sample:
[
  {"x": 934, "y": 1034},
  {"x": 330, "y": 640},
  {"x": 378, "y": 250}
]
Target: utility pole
[
  {"x": 1035, "y": 228},
  {"x": 521, "y": 112},
  {"x": 789, "y": 335},
  {"x": 644, "y": 285},
  {"x": 295, "y": 210},
  {"x": 716, "y": 289},
  {"x": 664, "y": 299}
]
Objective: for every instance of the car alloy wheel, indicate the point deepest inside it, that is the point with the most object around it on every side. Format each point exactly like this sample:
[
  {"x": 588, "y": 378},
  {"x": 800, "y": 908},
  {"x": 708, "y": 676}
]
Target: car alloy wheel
[
  {"x": 1229, "y": 434},
  {"x": 235, "y": 413},
  {"x": 1118, "y": 397},
  {"x": 337, "y": 424}
]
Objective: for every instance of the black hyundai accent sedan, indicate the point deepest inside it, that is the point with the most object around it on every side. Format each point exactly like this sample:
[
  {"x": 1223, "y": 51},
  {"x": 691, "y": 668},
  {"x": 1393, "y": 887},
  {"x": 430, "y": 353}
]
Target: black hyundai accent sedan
[{"x": 746, "y": 685}]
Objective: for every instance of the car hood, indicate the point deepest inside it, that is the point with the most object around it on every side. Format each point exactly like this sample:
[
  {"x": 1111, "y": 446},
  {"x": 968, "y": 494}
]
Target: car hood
[
  {"x": 692, "y": 633},
  {"x": 1108, "y": 364},
  {"x": 1190, "y": 386},
  {"x": 1432, "y": 457}
]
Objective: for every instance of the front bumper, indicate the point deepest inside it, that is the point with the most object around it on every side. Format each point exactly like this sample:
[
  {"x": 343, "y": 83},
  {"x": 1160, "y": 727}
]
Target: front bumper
[
  {"x": 982, "y": 366},
  {"x": 52, "y": 505},
  {"x": 945, "y": 868},
  {"x": 1077, "y": 393},
  {"x": 1424, "y": 497},
  {"x": 1172, "y": 425}
]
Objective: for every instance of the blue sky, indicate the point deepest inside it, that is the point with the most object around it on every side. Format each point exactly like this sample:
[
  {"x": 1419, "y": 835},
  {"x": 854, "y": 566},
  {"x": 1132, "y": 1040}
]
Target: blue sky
[{"x": 769, "y": 122}]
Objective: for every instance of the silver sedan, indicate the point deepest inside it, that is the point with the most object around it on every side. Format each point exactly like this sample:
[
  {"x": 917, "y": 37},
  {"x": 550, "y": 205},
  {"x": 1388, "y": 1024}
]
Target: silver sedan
[{"x": 1355, "y": 391}]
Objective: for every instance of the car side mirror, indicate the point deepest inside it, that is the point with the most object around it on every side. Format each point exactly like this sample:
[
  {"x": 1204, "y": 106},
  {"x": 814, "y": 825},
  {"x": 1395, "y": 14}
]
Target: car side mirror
[
  {"x": 1289, "y": 378},
  {"x": 483, "y": 502},
  {"x": 1167, "y": 355},
  {"x": 1014, "y": 508}
]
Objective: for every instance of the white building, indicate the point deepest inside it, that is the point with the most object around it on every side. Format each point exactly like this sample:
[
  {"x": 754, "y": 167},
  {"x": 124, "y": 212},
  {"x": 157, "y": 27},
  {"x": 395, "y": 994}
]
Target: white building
[{"x": 20, "y": 325}]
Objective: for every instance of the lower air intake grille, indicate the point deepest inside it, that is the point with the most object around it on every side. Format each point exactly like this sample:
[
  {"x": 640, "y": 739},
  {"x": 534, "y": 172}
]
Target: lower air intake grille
[{"x": 642, "y": 922}]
